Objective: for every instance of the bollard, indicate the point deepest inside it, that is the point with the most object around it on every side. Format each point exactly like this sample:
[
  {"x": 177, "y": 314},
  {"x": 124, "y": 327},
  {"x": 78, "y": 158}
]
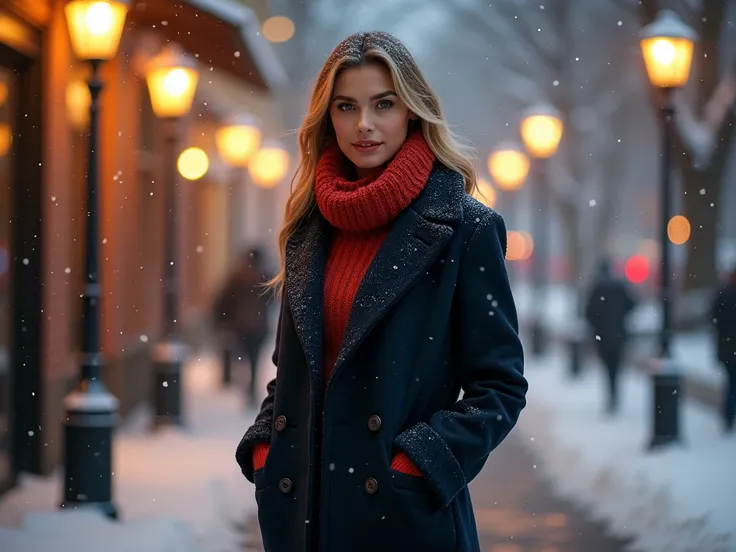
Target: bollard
[
  {"x": 538, "y": 343},
  {"x": 665, "y": 403},
  {"x": 227, "y": 366},
  {"x": 91, "y": 416},
  {"x": 168, "y": 360},
  {"x": 575, "y": 345}
]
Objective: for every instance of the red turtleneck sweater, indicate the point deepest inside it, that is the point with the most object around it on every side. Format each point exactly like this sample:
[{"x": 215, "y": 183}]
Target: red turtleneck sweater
[{"x": 360, "y": 212}]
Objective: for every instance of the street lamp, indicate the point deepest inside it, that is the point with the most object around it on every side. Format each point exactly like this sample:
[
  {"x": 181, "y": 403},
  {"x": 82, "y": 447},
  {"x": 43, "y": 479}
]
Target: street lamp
[
  {"x": 172, "y": 80},
  {"x": 237, "y": 142},
  {"x": 508, "y": 166},
  {"x": 667, "y": 48},
  {"x": 95, "y": 28},
  {"x": 485, "y": 193},
  {"x": 541, "y": 131},
  {"x": 269, "y": 165}
]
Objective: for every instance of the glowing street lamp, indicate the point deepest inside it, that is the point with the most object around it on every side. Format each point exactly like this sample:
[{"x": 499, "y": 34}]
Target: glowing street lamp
[
  {"x": 269, "y": 165},
  {"x": 667, "y": 48},
  {"x": 172, "y": 78},
  {"x": 485, "y": 193},
  {"x": 508, "y": 167},
  {"x": 95, "y": 28},
  {"x": 239, "y": 140},
  {"x": 541, "y": 131}
]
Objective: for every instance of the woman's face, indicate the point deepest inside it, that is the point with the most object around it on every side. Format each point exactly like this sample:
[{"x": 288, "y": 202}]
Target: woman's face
[{"x": 370, "y": 120}]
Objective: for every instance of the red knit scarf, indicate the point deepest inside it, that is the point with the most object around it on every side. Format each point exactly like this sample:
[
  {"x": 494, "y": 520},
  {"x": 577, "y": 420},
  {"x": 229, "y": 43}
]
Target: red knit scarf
[{"x": 372, "y": 202}]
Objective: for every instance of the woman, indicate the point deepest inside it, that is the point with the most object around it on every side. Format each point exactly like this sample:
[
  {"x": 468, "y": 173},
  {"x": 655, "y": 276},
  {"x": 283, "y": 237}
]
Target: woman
[{"x": 395, "y": 297}]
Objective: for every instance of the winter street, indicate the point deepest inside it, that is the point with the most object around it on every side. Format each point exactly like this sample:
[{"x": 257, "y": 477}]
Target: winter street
[{"x": 555, "y": 485}]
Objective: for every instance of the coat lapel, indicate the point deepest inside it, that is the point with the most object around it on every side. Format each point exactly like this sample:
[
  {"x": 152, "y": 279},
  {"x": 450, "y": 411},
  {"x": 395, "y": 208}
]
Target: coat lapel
[
  {"x": 306, "y": 254},
  {"x": 414, "y": 242}
]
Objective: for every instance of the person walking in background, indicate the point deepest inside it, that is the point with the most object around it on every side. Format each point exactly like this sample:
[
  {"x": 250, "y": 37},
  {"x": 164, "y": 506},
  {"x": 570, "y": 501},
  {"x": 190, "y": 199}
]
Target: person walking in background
[
  {"x": 395, "y": 297},
  {"x": 608, "y": 306},
  {"x": 241, "y": 309},
  {"x": 723, "y": 314}
]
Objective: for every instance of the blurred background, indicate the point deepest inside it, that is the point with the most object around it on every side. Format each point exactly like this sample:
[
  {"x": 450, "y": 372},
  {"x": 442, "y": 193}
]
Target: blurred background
[{"x": 146, "y": 153}]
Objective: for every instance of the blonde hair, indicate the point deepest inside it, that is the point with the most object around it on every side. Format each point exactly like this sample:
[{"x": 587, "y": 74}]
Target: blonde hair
[{"x": 316, "y": 131}]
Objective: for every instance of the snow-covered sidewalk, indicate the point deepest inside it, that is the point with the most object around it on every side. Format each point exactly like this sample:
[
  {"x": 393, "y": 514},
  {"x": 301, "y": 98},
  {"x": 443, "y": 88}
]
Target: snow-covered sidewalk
[
  {"x": 680, "y": 499},
  {"x": 177, "y": 490}
]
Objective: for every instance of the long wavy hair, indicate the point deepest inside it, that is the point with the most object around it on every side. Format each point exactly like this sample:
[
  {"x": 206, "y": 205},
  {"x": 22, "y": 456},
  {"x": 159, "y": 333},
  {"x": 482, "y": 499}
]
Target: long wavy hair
[{"x": 317, "y": 132}]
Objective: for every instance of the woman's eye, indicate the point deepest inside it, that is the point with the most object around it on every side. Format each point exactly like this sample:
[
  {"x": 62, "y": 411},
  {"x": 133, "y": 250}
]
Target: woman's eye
[
  {"x": 384, "y": 104},
  {"x": 344, "y": 106}
]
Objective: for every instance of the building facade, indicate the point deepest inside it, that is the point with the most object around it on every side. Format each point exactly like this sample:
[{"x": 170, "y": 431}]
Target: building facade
[{"x": 43, "y": 154}]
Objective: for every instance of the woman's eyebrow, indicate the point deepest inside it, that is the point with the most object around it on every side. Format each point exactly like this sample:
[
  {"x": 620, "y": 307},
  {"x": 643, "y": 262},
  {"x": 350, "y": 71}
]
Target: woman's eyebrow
[{"x": 372, "y": 98}]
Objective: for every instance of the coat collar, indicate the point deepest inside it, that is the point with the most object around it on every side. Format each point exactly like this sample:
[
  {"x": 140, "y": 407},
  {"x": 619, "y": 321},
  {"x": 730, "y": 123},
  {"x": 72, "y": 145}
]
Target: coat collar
[{"x": 415, "y": 240}]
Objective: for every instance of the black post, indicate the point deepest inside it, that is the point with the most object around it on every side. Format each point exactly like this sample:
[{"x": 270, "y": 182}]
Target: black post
[
  {"x": 665, "y": 377},
  {"x": 91, "y": 410},
  {"x": 170, "y": 353},
  {"x": 540, "y": 234},
  {"x": 227, "y": 340}
]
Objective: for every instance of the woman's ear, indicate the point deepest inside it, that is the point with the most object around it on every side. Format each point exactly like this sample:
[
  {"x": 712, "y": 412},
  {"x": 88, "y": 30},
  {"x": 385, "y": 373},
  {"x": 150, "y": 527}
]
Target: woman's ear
[{"x": 412, "y": 116}]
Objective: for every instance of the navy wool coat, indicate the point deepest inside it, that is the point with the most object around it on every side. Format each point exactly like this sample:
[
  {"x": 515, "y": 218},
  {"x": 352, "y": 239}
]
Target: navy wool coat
[{"x": 433, "y": 316}]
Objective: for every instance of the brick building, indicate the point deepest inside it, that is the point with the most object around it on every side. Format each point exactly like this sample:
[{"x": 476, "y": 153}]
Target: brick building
[{"x": 43, "y": 153}]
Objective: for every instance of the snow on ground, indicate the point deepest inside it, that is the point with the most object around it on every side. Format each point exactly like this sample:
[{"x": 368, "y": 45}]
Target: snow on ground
[
  {"x": 177, "y": 490},
  {"x": 680, "y": 499}
]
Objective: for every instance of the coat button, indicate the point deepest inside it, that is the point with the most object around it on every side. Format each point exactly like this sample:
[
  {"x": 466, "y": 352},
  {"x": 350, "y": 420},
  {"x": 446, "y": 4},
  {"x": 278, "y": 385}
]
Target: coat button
[
  {"x": 280, "y": 423},
  {"x": 374, "y": 423},
  {"x": 285, "y": 485},
  {"x": 371, "y": 485}
]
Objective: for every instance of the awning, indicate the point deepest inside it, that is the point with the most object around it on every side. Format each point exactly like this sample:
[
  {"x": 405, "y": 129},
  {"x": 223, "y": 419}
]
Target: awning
[{"x": 222, "y": 33}]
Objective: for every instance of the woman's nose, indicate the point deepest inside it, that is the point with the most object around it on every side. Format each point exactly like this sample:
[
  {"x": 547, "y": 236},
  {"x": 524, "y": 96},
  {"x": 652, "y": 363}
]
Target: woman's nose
[{"x": 365, "y": 124}]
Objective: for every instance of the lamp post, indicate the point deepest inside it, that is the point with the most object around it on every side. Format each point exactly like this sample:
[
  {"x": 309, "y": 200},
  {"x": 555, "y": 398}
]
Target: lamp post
[
  {"x": 508, "y": 166},
  {"x": 95, "y": 28},
  {"x": 541, "y": 131},
  {"x": 172, "y": 80},
  {"x": 237, "y": 142},
  {"x": 667, "y": 48}
]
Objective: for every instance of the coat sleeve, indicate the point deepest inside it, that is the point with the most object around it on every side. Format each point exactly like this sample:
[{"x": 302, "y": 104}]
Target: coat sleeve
[
  {"x": 452, "y": 447},
  {"x": 260, "y": 431}
]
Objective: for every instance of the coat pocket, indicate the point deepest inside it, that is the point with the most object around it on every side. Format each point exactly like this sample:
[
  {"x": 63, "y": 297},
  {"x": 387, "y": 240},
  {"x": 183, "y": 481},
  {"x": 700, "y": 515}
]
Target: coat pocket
[
  {"x": 410, "y": 482},
  {"x": 259, "y": 478}
]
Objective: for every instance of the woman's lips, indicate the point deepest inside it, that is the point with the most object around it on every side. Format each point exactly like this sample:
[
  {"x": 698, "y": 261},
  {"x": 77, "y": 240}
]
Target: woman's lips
[{"x": 366, "y": 147}]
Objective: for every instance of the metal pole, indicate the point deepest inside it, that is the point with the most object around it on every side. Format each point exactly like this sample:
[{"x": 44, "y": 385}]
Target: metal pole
[
  {"x": 540, "y": 233},
  {"x": 668, "y": 113},
  {"x": 91, "y": 410},
  {"x": 665, "y": 376},
  {"x": 170, "y": 353},
  {"x": 232, "y": 245}
]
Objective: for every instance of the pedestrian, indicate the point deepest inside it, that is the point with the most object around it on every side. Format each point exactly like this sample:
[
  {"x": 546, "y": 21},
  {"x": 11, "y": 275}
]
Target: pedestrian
[
  {"x": 724, "y": 318},
  {"x": 395, "y": 297},
  {"x": 241, "y": 310},
  {"x": 608, "y": 306}
]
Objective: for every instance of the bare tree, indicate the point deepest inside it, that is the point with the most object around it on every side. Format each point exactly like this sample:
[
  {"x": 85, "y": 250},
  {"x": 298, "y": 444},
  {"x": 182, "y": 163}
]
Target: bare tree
[{"x": 557, "y": 53}]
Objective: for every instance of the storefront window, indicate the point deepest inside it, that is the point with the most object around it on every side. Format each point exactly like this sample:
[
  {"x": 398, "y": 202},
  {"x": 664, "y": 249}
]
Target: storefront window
[{"x": 8, "y": 85}]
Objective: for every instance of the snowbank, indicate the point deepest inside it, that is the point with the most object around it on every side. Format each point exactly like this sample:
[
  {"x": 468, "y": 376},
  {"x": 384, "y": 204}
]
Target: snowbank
[{"x": 676, "y": 500}]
